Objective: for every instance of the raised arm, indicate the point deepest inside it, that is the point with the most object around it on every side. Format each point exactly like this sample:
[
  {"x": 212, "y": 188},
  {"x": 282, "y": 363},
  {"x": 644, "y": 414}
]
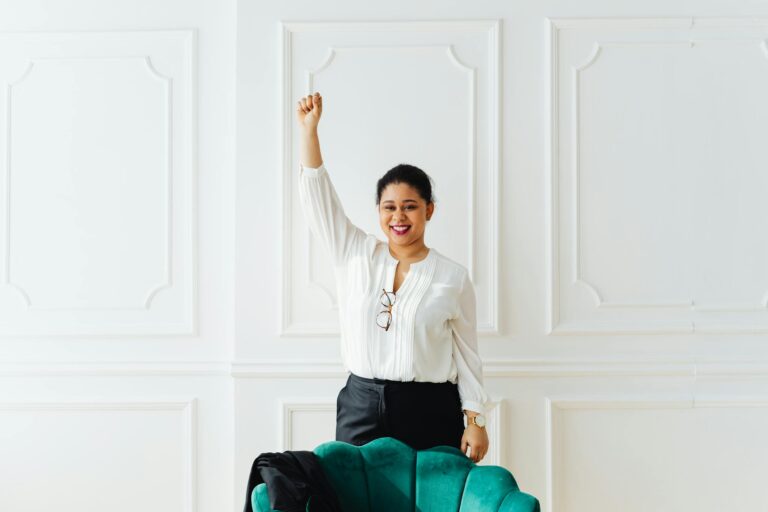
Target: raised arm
[
  {"x": 308, "y": 112},
  {"x": 320, "y": 204}
]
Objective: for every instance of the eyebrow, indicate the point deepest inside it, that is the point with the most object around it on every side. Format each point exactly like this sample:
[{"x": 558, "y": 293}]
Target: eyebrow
[{"x": 404, "y": 200}]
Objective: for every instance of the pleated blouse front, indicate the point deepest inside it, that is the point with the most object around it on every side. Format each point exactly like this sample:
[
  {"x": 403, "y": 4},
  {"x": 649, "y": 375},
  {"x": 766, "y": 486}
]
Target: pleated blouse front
[{"x": 433, "y": 333}]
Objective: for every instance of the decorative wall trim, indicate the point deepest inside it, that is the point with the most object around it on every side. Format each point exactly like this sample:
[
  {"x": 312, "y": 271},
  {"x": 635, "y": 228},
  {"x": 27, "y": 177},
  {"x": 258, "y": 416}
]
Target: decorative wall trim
[
  {"x": 287, "y": 327},
  {"x": 681, "y": 303},
  {"x": 188, "y": 408},
  {"x": 471, "y": 144},
  {"x": 180, "y": 140},
  {"x": 331, "y": 368},
  {"x": 684, "y": 323},
  {"x": 115, "y": 369},
  {"x": 288, "y": 407},
  {"x": 167, "y": 263},
  {"x": 554, "y": 404},
  {"x": 494, "y": 413},
  {"x": 682, "y": 22},
  {"x": 511, "y": 368}
]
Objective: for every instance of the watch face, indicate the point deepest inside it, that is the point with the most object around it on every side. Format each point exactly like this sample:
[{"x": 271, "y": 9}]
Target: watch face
[{"x": 480, "y": 420}]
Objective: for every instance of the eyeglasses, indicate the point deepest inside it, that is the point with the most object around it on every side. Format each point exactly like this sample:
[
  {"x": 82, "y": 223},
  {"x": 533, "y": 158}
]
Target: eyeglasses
[{"x": 384, "y": 318}]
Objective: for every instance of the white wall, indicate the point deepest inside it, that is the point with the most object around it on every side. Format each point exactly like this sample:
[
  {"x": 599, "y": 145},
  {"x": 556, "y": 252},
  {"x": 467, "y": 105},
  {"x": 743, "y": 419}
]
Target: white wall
[
  {"x": 116, "y": 255},
  {"x": 603, "y": 180},
  {"x": 165, "y": 317}
]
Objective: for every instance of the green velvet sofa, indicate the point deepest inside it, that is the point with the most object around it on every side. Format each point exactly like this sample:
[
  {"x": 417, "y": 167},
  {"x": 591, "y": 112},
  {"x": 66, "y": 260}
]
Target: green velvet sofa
[{"x": 387, "y": 475}]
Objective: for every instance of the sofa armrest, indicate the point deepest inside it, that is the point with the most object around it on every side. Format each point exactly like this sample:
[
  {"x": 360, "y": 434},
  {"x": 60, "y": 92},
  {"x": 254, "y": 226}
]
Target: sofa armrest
[
  {"x": 518, "y": 501},
  {"x": 260, "y": 499}
]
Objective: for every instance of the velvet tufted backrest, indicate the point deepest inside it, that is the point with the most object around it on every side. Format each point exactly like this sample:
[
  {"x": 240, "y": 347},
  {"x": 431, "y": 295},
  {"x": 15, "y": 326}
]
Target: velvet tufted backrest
[{"x": 387, "y": 474}]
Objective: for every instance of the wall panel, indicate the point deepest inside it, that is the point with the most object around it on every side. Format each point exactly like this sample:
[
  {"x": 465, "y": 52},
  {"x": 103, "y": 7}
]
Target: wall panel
[
  {"x": 456, "y": 66},
  {"x": 97, "y": 178},
  {"x": 658, "y": 176}
]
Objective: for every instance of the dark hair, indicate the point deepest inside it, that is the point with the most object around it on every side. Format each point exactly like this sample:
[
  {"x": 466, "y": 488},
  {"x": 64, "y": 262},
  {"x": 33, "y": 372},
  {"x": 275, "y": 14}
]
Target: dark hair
[{"x": 410, "y": 174}]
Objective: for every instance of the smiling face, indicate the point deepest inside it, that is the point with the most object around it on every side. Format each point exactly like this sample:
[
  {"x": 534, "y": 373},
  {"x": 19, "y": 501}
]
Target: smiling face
[{"x": 403, "y": 214}]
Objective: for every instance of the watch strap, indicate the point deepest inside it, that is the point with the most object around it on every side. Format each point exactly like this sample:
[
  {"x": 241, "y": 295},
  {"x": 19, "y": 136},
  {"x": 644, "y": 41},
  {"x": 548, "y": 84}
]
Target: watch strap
[{"x": 472, "y": 420}]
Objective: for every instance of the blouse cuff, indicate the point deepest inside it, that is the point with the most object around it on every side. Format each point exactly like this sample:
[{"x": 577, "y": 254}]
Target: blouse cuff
[
  {"x": 471, "y": 405},
  {"x": 312, "y": 172}
]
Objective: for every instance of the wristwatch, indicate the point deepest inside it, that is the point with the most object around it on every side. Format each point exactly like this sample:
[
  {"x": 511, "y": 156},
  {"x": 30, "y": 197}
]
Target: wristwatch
[{"x": 478, "y": 420}]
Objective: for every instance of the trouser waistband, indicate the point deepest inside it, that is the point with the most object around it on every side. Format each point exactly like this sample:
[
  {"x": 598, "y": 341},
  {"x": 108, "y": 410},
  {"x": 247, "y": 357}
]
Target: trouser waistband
[{"x": 410, "y": 383}]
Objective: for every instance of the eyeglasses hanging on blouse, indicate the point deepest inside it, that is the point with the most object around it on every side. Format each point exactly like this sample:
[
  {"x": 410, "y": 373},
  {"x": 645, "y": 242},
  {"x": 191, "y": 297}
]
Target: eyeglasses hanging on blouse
[{"x": 384, "y": 318}]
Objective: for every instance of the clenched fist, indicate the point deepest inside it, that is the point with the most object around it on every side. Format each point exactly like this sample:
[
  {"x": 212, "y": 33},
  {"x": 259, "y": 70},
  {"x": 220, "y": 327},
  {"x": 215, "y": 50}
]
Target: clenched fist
[
  {"x": 308, "y": 110},
  {"x": 477, "y": 440}
]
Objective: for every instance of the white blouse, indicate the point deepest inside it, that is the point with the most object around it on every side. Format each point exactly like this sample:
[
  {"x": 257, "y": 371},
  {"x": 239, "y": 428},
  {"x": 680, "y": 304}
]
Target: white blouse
[{"x": 432, "y": 336}]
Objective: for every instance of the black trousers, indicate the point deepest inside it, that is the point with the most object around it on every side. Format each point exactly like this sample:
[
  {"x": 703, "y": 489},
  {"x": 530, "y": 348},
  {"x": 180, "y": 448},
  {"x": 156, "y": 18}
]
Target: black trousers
[{"x": 421, "y": 414}]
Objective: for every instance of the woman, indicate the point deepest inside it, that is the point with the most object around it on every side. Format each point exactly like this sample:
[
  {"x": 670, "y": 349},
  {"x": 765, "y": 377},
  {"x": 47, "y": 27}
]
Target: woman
[{"x": 407, "y": 312}]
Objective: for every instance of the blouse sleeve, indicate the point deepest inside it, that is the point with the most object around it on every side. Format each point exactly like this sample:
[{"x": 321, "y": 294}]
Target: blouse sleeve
[
  {"x": 325, "y": 215},
  {"x": 465, "y": 350}
]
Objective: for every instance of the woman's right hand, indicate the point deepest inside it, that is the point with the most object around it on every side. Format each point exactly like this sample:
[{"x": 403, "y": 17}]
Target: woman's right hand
[{"x": 308, "y": 110}]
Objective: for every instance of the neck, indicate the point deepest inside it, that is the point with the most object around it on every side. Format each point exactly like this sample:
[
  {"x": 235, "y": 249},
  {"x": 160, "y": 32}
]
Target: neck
[{"x": 414, "y": 251}]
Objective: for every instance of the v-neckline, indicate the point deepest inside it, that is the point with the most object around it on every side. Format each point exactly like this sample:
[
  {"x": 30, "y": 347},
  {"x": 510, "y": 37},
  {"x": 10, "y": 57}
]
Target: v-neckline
[{"x": 392, "y": 270}]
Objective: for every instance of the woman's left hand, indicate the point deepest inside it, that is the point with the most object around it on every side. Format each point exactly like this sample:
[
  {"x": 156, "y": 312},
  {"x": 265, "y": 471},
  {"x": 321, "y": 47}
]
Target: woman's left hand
[{"x": 477, "y": 439}]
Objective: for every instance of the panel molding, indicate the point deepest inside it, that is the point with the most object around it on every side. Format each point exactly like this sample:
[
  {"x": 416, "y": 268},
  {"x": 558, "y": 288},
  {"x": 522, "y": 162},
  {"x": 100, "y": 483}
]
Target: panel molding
[
  {"x": 116, "y": 369},
  {"x": 158, "y": 51},
  {"x": 155, "y": 75},
  {"x": 492, "y": 30},
  {"x": 188, "y": 408},
  {"x": 683, "y": 324},
  {"x": 495, "y": 413},
  {"x": 288, "y": 407},
  {"x": 555, "y": 404},
  {"x": 688, "y": 303},
  {"x": 525, "y": 368},
  {"x": 333, "y": 369},
  {"x": 471, "y": 144}
]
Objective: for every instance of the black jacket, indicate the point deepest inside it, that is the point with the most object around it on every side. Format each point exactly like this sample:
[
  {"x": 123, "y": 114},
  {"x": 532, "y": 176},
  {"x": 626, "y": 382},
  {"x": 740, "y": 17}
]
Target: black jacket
[{"x": 291, "y": 478}]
